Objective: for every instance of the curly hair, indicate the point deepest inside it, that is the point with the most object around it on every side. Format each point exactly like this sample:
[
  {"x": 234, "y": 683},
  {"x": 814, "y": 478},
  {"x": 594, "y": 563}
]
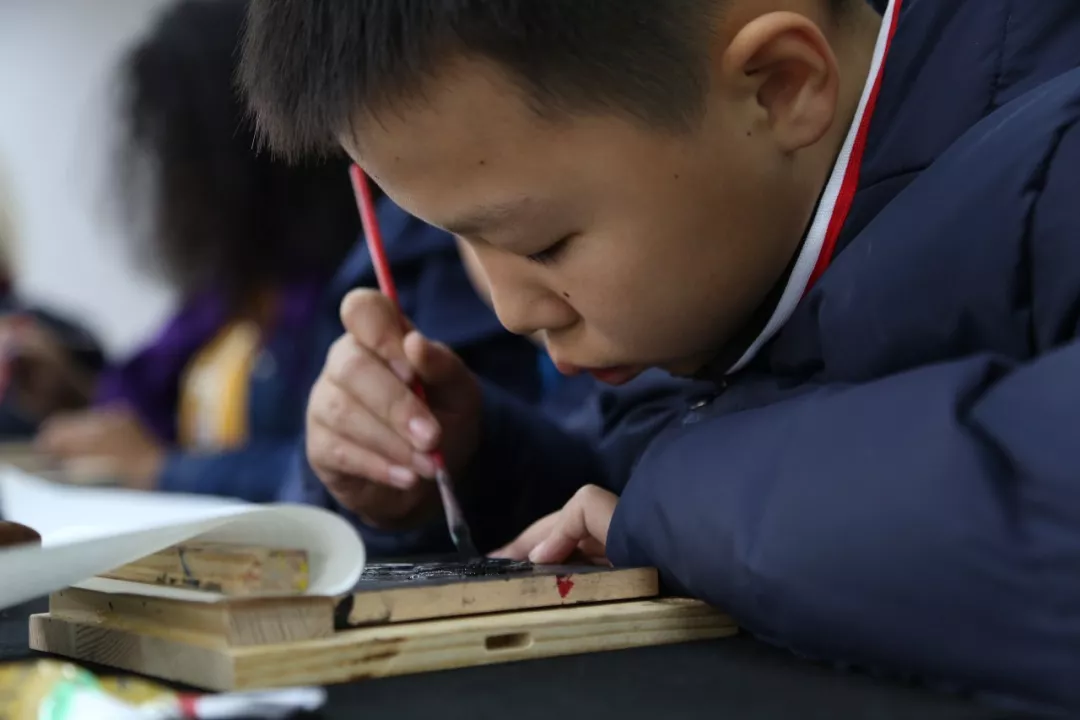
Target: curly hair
[{"x": 208, "y": 210}]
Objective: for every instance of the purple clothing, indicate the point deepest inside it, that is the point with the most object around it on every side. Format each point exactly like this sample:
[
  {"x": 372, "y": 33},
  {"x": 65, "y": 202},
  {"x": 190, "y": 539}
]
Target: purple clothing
[{"x": 150, "y": 381}]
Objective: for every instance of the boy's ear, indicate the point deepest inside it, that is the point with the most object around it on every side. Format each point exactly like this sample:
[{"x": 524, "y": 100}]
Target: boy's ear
[{"x": 782, "y": 65}]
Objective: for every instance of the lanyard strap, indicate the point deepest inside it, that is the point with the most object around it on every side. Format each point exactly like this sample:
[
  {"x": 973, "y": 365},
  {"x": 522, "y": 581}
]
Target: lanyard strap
[{"x": 836, "y": 200}]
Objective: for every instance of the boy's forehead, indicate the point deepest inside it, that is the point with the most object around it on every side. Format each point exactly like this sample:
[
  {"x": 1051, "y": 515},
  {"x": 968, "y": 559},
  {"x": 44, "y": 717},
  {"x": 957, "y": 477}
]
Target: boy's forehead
[
  {"x": 466, "y": 108},
  {"x": 444, "y": 184},
  {"x": 465, "y": 153},
  {"x": 469, "y": 152},
  {"x": 458, "y": 117}
]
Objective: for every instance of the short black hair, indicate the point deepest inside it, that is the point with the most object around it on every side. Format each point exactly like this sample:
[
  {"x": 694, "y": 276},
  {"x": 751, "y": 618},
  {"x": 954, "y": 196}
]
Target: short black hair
[
  {"x": 309, "y": 66},
  {"x": 207, "y": 210}
]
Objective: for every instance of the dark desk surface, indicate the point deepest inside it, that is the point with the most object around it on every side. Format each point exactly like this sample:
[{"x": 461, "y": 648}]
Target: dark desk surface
[{"x": 732, "y": 678}]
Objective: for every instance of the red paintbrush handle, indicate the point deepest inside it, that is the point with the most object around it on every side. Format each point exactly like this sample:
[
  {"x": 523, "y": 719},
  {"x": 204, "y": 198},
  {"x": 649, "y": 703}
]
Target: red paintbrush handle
[{"x": 373, "y": 237}]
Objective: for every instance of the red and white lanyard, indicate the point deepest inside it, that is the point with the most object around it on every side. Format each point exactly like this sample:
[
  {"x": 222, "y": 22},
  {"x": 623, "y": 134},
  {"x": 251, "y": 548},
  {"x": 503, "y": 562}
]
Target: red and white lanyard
[{"x": 832, "y": 212}]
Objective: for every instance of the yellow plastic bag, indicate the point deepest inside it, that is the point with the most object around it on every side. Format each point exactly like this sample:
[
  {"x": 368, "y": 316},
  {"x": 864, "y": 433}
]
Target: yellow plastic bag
[{"x": 52, "y": 690}]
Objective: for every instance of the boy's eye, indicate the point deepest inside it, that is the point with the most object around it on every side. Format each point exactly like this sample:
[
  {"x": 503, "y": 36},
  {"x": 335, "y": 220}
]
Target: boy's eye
[{"x": 551, "y": 253}]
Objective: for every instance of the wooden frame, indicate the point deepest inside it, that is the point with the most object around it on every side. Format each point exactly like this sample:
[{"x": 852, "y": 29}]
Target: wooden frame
[
  {"x": 379, "y": 629},
  {"x": 206, "y": 661}
]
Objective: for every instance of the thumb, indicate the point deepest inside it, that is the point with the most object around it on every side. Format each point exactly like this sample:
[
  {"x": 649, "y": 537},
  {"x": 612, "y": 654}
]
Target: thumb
[
  {"x": 375, "y": 323},
  {"x": 435, "y": 363}
]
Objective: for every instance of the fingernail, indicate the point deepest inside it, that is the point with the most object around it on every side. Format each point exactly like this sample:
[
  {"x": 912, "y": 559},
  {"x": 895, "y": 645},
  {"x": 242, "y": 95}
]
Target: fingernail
[
  {"x": 424, "y": 465},
  {"x": 537, "y": 554},
  {"x": 402, "y": 477},
  {"x": 402, "y": 369},
  {"x": 423, "y": 430}
]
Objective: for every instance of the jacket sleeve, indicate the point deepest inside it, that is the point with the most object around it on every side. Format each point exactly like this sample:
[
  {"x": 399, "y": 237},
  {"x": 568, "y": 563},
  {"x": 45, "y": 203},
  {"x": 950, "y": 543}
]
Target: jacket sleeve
[
  {"x": 926, "y": 523},
  {"x": 254, "y": 473},
  {"x": 895, "y": 524}
]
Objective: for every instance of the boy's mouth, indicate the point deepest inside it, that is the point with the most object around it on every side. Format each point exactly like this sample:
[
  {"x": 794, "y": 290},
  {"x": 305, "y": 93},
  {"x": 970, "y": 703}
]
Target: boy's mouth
[{"x": 614, "y": 375}]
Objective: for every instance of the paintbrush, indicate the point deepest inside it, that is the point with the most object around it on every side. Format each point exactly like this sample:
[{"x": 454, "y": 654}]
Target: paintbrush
[{"x": 455, "y": 519}]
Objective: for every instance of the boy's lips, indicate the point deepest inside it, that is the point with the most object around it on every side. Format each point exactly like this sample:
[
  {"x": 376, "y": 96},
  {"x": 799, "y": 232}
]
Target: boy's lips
[{"x": 614, "y": 375}]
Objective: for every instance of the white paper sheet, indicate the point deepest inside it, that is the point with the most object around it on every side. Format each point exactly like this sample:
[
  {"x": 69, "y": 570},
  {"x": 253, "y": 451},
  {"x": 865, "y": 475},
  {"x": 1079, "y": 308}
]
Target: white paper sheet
[{"x": 87, "y": 531}]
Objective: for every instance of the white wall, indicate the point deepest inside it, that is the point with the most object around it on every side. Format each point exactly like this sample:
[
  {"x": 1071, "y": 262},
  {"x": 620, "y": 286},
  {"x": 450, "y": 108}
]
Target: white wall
[{"x": 56, "y": 60}]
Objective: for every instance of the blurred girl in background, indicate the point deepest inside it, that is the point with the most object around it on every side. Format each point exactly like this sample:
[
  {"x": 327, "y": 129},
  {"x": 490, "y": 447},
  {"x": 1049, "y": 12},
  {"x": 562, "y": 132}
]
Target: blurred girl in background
[
  {"x": 246, "y": 241},
  {"x": 261, "y": 253}
]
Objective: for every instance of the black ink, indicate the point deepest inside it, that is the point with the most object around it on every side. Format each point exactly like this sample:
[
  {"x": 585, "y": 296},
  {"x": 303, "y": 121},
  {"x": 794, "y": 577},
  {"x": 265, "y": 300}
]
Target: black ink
[{"x": 477, "y": 567}]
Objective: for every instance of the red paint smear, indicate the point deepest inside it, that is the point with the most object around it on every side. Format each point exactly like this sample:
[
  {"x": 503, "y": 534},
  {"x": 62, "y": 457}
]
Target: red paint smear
[
  {"x": 564, "y": 584},
  {"x": 188, "y": 705}
]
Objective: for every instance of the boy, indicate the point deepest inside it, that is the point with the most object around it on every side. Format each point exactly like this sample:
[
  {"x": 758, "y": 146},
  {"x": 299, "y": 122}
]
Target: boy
[
  {"x": 444, "y": 297},
  {"x": 861, "y": 228}
]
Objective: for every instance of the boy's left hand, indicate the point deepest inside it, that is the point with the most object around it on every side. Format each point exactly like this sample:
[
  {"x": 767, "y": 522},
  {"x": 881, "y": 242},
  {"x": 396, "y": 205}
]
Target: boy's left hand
[{"x": 579, "y": 529}]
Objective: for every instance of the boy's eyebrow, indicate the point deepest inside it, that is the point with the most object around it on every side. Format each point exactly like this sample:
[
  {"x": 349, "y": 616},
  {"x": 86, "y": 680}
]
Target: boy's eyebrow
[{"x": 482, "y": 219}]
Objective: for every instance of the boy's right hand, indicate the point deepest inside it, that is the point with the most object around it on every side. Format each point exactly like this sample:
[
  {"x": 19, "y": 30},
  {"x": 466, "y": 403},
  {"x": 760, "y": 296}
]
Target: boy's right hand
[{"x": 369, "y": 437}]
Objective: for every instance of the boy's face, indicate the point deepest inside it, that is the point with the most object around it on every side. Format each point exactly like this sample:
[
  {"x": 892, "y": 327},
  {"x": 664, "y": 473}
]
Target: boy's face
[{"x": 626, "y": 247}]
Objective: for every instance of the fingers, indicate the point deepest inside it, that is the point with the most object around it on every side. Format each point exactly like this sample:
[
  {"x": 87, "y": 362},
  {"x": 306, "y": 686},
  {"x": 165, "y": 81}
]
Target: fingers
[
  {"x": 369, "y": 435},
  {"x": 92, "y": 469},
  {"x": 364, "y": 423},
  {"x": 586, "y": 518},
  {"x": 580, "y": 528},
  {"x": 72, "y": 434},
  {"x": 338, "y": 412},
  {"x": 341, "y": 462},
  {"x": 380, "y": 359},
  {"x": 369, "y": 383},
  {"x": 375, "y": 323},
  {"x": 520, "y": 548},
  {"x": 434, "y": 362},
  {"x": 383, "y": 495},
  {"x": 594, "y": 551},
  {"x": 89, "y": 432}
]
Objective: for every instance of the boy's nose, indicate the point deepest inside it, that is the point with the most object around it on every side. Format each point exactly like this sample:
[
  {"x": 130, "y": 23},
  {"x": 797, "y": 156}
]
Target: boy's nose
[
  {"x": 515, "y": 316},
  {"x": 526, "y": 309}
]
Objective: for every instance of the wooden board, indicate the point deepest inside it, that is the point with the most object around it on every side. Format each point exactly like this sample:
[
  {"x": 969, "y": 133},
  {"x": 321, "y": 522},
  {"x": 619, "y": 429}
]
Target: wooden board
[
  {"x": 205, "y": 661},
  {"x": 235, "y": 622},
  {"x": 239, "y": 621},
  {"x": 227, "y": 568},
  {"x": 387, "y": 601}
]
